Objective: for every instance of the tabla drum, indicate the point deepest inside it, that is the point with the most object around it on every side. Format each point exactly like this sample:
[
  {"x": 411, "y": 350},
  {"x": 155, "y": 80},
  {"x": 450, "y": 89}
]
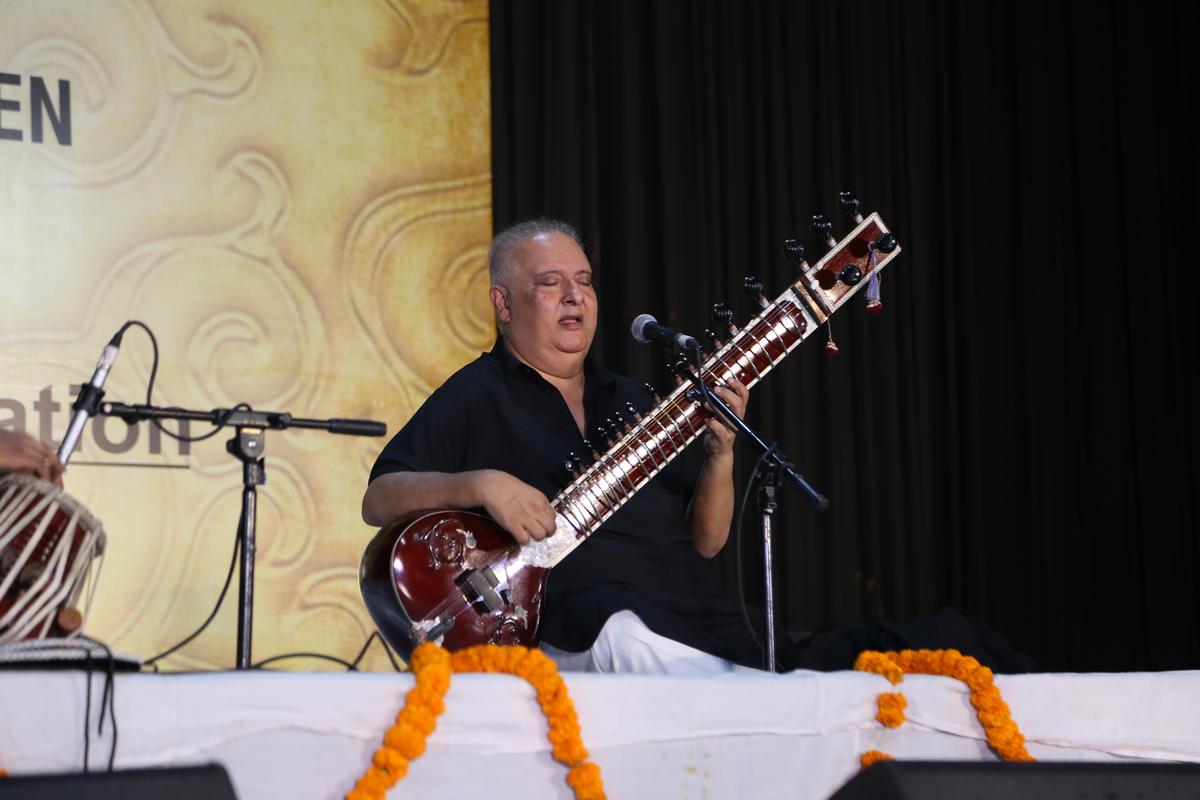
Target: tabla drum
[{"x": 51, "y": 551}]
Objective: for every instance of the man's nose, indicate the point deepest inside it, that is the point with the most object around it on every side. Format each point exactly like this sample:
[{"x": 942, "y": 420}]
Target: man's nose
[{"x": 573, "y": 293}]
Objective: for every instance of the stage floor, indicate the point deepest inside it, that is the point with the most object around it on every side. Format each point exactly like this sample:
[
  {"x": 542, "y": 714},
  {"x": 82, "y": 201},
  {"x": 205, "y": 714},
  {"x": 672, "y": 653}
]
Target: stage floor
[{"x": 310, "y": 735}]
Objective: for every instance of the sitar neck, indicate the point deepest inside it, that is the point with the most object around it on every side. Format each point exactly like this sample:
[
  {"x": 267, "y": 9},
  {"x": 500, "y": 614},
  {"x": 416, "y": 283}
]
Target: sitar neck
[{"x": 662, "y": 433}]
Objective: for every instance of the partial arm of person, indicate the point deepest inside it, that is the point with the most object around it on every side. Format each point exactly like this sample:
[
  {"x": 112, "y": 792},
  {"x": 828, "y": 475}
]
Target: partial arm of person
[
  {"x": 711, "y": 510},
  {"x": 20, "y": 453},
  {"x": 519, "y": 508}
]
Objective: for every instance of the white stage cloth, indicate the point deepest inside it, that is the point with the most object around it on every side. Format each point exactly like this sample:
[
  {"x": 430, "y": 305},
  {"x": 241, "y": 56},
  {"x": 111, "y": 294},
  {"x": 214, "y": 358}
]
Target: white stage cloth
[{"x": 310, "y": 735}]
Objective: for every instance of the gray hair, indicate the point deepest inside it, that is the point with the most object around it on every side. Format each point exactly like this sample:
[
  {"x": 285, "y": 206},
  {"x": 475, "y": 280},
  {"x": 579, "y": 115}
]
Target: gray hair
[{"x": 500, "y": 264}]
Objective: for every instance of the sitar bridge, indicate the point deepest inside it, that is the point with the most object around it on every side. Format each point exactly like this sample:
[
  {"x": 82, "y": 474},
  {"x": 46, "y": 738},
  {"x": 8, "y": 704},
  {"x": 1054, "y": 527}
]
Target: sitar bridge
[{"x": 479, "y": 586}]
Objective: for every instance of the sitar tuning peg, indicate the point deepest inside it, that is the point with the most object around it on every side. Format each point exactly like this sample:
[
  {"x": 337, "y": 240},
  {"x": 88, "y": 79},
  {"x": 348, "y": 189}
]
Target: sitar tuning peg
[
  {"x": 712, "y": 337},
  {"x": 571, "y": 464},
  {"x": 587, "y": 443},
  {"x": 633, "y": 411},
  {"x": 753, "y": 288},
  {"x": 722, "y": 317},
  {"x": 794, "y": 251},
  {"x": 850, "y": 275},
  {"x": 650, "y": 390},
  {"x": 678, "y": 364},
  {"x": 821, "y": 226},
  {"x": 850, "y": 207},
  {"x": 885, "y": 243}
]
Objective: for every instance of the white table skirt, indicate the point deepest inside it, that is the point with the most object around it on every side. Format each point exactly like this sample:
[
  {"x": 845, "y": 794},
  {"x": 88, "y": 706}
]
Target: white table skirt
[{"x": 310, "y": 735}]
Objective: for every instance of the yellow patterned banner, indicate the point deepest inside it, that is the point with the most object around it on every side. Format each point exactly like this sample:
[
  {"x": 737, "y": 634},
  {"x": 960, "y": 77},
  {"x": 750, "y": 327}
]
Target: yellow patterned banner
[{"x": 295, "y": 195}]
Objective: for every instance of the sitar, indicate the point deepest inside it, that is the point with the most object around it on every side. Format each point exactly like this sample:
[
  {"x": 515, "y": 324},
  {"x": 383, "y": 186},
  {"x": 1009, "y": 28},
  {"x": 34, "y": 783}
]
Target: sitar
[{"x": 459, "y": 579}]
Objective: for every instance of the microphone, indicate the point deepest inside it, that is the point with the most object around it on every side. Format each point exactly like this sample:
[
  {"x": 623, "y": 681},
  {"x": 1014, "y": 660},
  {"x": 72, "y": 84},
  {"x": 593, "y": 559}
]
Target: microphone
[
  {"x": 646, "y": 327},
  {"x": 90, "y": 394}
]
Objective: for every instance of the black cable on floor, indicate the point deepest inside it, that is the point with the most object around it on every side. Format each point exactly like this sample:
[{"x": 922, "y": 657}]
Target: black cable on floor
[{"x": 237, "y": 543}]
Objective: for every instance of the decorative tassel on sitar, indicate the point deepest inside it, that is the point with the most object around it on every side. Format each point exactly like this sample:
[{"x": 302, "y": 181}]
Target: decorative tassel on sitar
[
  {"x": 874, "y": 304},
  {"x": 831, "y": 348}
]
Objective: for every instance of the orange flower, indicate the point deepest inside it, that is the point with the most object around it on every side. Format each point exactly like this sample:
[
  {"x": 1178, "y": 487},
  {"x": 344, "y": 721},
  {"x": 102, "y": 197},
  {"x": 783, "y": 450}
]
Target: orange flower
[
  {"x": 389, "y": 760},
  {"x": 585, "y": 780},
  {"x": 872, "y": 757},
  {"x": 880, "y": 664},
  {"x": 433, "y": 666},
  {"x": 406, "y": 741},
  {"x": 372, "y": 784},
  {"x": 891, "y": 709}
]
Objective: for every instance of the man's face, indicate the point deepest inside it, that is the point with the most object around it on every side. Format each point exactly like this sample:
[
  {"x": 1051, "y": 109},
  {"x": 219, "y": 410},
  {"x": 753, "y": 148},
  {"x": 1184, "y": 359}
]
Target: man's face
[{"x": 549, "y": 307}]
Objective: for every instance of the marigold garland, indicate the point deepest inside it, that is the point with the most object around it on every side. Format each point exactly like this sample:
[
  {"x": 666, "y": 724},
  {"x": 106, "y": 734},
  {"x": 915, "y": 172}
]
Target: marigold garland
[
  {"x": 993, "y": 713},
  {"x": 874, "y": 757},
  {"x": 891, "y": 709},
  {"x": 433, "y": 667}
]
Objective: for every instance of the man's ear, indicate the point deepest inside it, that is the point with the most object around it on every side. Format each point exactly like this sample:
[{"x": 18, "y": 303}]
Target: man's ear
[{"x": 499, "y": 296}]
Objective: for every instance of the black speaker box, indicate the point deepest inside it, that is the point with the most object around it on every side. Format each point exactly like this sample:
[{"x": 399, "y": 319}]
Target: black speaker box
[
  {"x": 973, "y": 780},
  {"x": 208, "y": 782}
]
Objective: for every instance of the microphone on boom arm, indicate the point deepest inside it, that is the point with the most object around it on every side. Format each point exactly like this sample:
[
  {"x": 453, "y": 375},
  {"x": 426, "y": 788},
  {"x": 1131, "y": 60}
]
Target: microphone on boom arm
[
  {"x": 90, "y": 394},
  {"x": 646, "y": 328}
]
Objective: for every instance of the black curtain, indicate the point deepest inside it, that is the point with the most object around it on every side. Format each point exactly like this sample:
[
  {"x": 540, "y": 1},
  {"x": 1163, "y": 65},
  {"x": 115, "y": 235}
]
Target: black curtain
[{"x": 1014, "y": 435}]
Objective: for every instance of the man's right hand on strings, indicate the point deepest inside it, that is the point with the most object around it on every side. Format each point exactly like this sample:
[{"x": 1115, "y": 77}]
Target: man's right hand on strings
[{"x": 520, "y": 509}]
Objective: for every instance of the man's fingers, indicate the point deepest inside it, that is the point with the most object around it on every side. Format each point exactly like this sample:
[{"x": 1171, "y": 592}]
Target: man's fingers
[
  {"x": 735, "y": 396},
  {"x": 720, "y": 429},
  {"x": 538, "y": 530},
  {"x": 521, "y": 509},
  {"x": 546, "y": 524},
  {"x": 532, "y": 520},
  {"x": 718, "y": 425},
  {"x": 717, "y": 422},
  {"x": 41, "y": 460},
  {"x": 36, "y": 464},
  {"x": 51, "y": 466}
]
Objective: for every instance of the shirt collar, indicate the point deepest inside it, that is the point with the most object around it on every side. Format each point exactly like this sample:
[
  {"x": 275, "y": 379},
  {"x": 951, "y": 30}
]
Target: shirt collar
[{"x": 595, "y": 374}]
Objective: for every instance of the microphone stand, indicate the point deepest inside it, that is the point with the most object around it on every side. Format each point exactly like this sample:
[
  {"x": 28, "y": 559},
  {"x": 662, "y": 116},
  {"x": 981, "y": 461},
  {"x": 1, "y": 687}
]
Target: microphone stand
[
  {"x": 769, "y": 480},
  {"x": 247, "y": 445},
  {"x": 774, "y": 468}
]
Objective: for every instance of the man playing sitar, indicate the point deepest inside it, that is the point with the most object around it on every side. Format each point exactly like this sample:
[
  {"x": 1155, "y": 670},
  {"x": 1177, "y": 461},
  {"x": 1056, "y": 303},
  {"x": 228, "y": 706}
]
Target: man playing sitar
[{"x": 493, "y": 438}]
